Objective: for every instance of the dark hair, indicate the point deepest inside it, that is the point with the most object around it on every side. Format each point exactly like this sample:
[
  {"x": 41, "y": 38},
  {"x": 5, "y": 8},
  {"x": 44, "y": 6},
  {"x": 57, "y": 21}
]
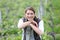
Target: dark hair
[{"x": 30, "y": 8}]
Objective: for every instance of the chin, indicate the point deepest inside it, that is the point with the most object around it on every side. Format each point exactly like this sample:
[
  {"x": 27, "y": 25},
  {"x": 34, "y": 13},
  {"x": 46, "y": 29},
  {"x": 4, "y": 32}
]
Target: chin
[{"x": 30, "y": 19}]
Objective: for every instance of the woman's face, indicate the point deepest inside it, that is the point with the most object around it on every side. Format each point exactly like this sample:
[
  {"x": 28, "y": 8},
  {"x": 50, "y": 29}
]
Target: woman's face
[{"x": 29, "y": 15}]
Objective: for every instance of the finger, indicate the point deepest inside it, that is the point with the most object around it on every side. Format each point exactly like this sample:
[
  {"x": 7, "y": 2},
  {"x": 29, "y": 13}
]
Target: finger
[{"x": 35, "y": 23}]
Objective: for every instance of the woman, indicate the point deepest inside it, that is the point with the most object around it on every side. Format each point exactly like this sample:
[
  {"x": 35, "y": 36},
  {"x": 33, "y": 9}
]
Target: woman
[{"x": 32, "y": 26}]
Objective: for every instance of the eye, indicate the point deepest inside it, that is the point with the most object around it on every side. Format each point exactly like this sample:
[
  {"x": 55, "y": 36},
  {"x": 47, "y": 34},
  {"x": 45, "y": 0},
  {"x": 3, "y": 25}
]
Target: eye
[{"x": 31, "y": 13}]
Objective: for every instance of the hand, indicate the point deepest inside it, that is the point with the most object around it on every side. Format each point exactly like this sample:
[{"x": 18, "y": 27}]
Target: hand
[{"x": 34, "y": 23}]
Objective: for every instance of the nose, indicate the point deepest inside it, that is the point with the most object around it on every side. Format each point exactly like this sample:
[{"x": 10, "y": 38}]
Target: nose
[{"x": 30, "y": 15}]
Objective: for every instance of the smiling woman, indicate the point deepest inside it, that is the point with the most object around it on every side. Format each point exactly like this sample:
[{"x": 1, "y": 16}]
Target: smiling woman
[
  {"x": 30, "y": 13},
  {"x": 32, "y": 26}
]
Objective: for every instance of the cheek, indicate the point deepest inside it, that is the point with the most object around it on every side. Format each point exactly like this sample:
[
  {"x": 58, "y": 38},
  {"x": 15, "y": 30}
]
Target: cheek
[
  {"x": 26, "y": 15},
  {"x": 29, "y": 16},
  {"x": 33, "y": 15}
]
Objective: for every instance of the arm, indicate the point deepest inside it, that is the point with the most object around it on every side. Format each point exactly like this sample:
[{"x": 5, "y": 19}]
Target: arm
[
  {"x": 22, "y": 24},
  {"x": 39, "y": 30},
  {"x": 36, "y": 29}
]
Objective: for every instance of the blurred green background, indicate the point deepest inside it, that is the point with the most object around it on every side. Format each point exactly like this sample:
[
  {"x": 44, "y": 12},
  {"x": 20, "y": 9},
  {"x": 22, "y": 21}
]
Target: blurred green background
[{"x": 12, "y": 10}]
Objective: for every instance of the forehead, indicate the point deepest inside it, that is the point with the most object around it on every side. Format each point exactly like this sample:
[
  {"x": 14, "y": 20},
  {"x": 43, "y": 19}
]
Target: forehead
[{"x": 29, "y": 11}]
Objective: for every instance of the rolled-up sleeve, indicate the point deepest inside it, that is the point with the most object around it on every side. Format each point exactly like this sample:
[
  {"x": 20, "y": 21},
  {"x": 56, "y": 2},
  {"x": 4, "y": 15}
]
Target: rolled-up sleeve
[
  {"x": 20, "y": 22},
  {"x": 41, "y": 26}
]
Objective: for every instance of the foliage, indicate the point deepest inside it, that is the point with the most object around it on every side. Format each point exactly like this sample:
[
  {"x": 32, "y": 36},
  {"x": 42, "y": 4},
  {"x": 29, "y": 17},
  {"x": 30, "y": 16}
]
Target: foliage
[{"x": 13, "y": 10}]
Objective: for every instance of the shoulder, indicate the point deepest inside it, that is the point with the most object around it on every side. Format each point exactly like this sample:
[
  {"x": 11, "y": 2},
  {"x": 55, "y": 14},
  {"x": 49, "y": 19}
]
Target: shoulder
[
  {"x": 21, "y": 20},
  {"x": 41, "y": 21}
]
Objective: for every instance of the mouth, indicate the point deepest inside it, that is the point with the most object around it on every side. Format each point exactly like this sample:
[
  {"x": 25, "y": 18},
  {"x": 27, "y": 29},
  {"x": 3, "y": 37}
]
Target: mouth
[{"x": 30, "y": 18}]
